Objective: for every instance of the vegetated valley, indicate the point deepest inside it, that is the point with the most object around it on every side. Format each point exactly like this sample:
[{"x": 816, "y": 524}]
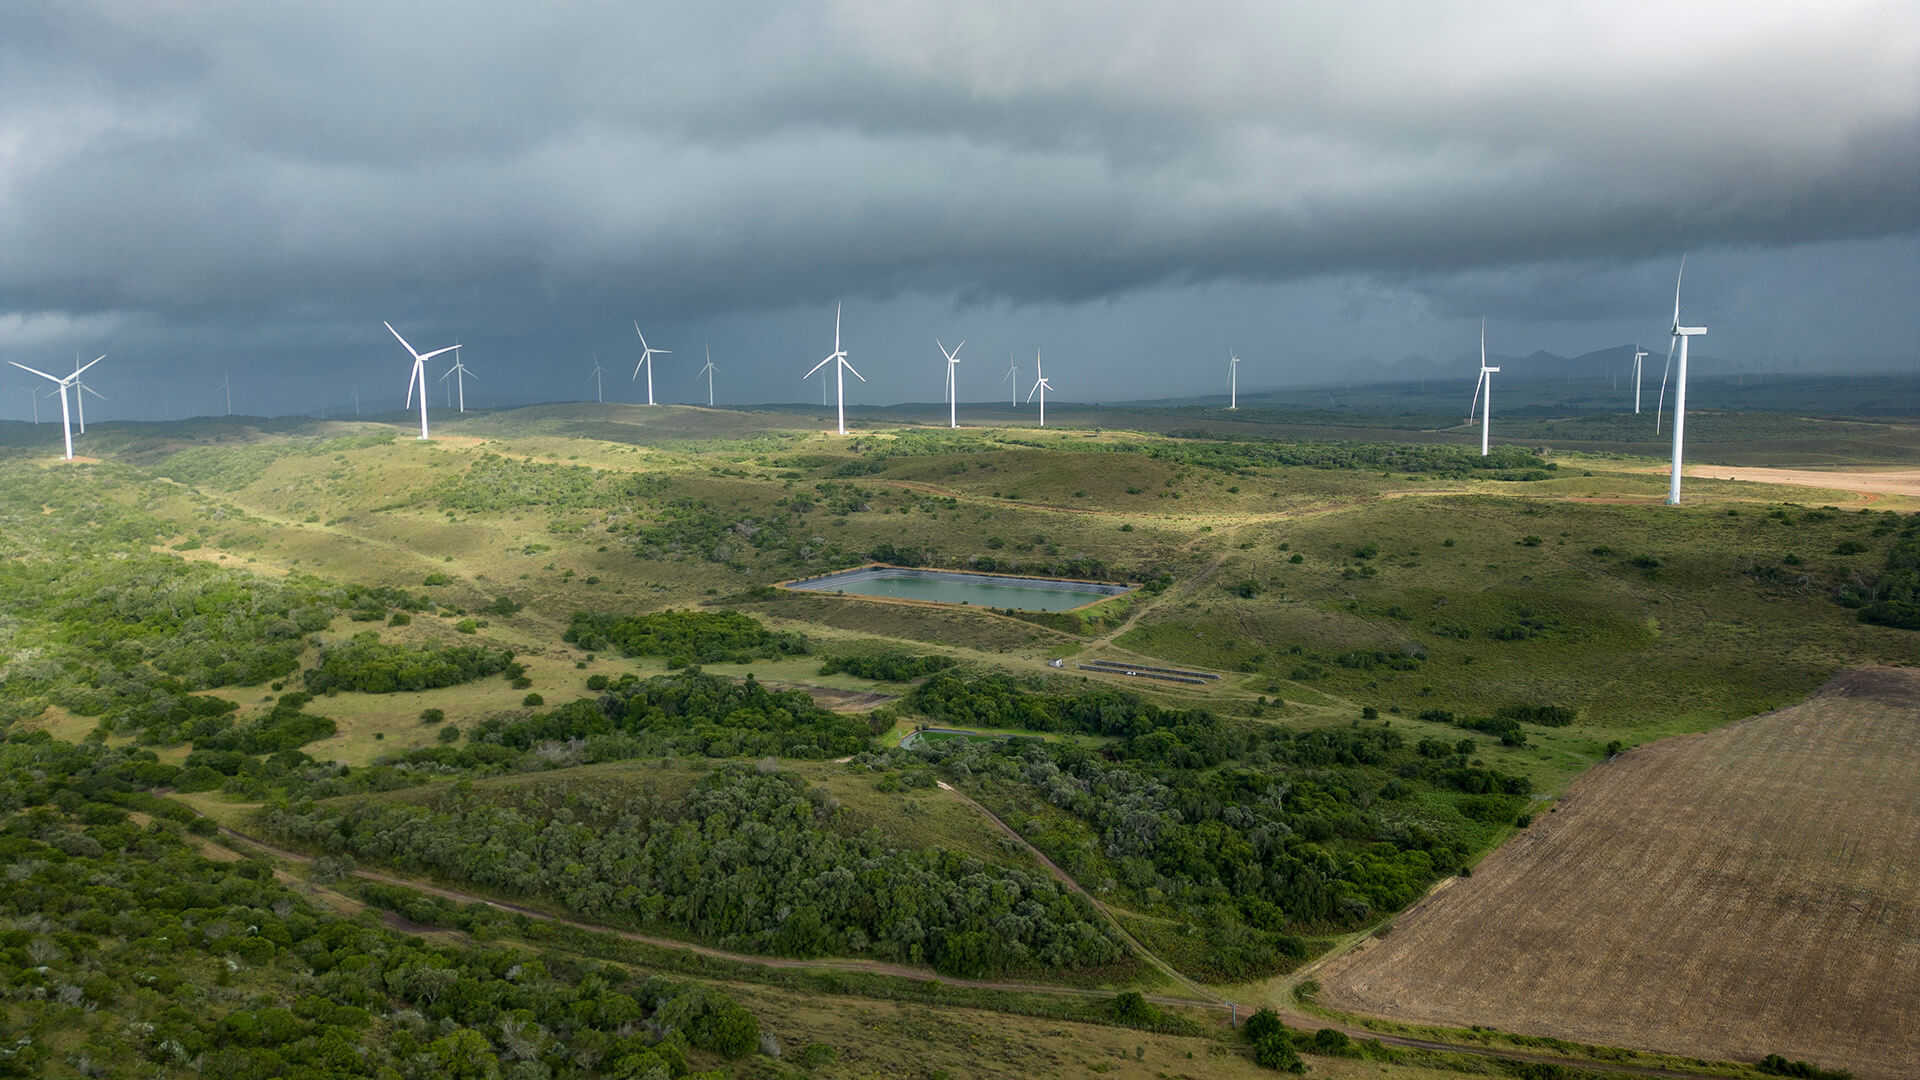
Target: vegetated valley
[{"x": 333, "y": 753}]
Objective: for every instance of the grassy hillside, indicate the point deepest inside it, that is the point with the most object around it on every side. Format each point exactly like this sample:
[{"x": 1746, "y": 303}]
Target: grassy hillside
[{"x": 381, "y": 639}]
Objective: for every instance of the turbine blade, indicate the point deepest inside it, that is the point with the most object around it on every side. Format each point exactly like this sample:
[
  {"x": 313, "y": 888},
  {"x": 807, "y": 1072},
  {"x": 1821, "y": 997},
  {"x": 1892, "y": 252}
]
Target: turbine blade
[
  {"x": 1474, "y": 409},
  {"x": 90, "y": 363},
  {"x": 1483, "y": 341},
  {"x": 396, "y": 334},
  {"x": 91, "y": 390},
  {"x": 437, "y": 352},
  {"x": 36, "y": 371},
  {"x": 820, "y": 365},
  {"x": 1676, "y": 288},
  {"x": 643, "y": 337},
  {"x": 856, "y": 374}
]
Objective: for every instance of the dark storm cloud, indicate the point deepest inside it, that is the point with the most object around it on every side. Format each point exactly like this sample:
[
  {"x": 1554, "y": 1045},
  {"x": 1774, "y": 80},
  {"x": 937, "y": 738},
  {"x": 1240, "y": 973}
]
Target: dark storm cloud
[{"x": 280, "y": 170}]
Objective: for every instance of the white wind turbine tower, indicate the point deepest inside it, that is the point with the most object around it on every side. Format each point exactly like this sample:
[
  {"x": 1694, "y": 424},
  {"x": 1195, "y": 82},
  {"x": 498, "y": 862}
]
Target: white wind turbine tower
[
  {"x": 708, "y": 372},
  {"x": 1012, "y": 379},
  {"x": 459, "y": 371},
  {"x": 646, "y": 361},
  {"x": 839, "y": 378},
  {"x": 1639, "y": 354},
  {"x": 356, "y": 396},
  {"x": 1040, "y": 386},
  {"x": 597, "y": 372},
  {"x": 226, "y": 387},
  {"x": 1233, "y": 379},
  {"x": 1680, "y": 336},
  {"x": 1485, "y": 379},
  {"x": 34, "y": 396},
  {"x": 953, "y": 394},
  {"x": 66, "y": 421},
  {"x": 418, "y": 377}
]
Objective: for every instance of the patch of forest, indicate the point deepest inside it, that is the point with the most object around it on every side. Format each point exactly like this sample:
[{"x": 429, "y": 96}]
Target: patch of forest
[
  {"x": 367, "y": 664},
  {"x": 1254, "y": 835},
  {"x": 683, "y": 637},
  {"x": 747, "y": 860},
  {"x": 125, "y": 952}
]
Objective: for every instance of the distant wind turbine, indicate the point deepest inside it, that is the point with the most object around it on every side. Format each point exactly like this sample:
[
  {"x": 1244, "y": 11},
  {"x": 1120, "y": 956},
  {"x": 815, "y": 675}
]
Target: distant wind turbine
[
  {"x": 226, "y": 386},
  {"x": 1040, "y": 386},
  {"x": 597, "y": 372},
  {"x": 1233, "y": 379},
  {"x": 839, "y": 378},
  {"x": 459, "y": 371},
  {"x": 1680, "y": 336},
  {"x": 1639, "y": 354},
  {"x": 356, "y": 396},
  {"x": 418, "y": 377},
  {"x": 34, "y": 396},
  {"x": 708, "y": 372},
  {"x": 66, "y": 421},
  {"x": 953, "y": 396},
  {"x": 1485, "y": 379},
  {"x": 1012, "y": 379},
  {"x": 80, "y": 392},
  {"x": 646, "y": 360}
]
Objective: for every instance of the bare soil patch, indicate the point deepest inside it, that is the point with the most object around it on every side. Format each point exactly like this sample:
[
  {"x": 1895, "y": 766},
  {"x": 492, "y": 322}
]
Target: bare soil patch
[
  {"x": 1747, "y": 891},
  {"x": 1890, "y": 482}
]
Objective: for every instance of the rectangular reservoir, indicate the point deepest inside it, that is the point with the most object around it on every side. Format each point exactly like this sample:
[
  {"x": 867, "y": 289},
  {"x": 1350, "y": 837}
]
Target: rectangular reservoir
[{"x": 956, "y": 587}]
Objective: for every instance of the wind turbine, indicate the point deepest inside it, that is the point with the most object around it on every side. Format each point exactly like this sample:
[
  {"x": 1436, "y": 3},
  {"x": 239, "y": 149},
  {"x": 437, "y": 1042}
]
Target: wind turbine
[
  {"x": 839, "y": 378},
  {"x": 1233, "y": 379},
  {"x": 1639, "y": 354},
  {"x": 1680, "y": 336},
  {"x": 80, "y": 392},
  {"x": 33, "y": 395},
  {"x": 418, "y": 377},
  {"x": 66, "y": 421},
  {"x": 356, "y": 396},
  {"x": 646, "y": 361},
  {"x": 708, "y": 372},
  {"x": 1040, "y": 386},
  {"x": 226, "y": 385},
  {"x": 597, "y": 372},
  {"x": 1012, "y": 379},
  {"x": 953, "y": 396},
  {"x": 1486, "y": 379},
  {"x": 459, "y": 372}
]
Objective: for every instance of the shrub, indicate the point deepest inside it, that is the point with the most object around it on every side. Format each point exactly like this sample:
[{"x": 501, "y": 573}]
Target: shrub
[
  {"x": 1543, "y": 715},
  {"x": 449, "y": 734},
  {"x": 432, "y": 716},
  {"x": 532, "y": 700}
]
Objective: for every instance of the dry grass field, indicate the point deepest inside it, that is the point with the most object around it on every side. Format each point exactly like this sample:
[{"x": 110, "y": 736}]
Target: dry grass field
[{"x": 1748, "y": 891}]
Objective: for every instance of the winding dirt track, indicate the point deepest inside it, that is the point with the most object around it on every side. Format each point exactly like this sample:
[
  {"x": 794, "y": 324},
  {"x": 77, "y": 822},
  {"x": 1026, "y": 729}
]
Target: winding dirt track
[{"x": 1748, "y": 891}]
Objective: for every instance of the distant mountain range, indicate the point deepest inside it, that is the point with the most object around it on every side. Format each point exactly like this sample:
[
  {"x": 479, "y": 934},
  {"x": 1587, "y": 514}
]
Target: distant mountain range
[{"x": 1543, "y": 365}]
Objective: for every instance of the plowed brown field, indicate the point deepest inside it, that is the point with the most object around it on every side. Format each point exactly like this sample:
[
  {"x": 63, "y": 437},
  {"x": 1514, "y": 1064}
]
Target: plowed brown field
[{"x": 1748, "y": 891}]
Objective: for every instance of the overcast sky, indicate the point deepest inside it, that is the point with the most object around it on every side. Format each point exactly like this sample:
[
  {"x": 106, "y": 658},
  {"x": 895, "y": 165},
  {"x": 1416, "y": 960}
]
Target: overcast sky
[{"x": 1131, "y": 188}]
